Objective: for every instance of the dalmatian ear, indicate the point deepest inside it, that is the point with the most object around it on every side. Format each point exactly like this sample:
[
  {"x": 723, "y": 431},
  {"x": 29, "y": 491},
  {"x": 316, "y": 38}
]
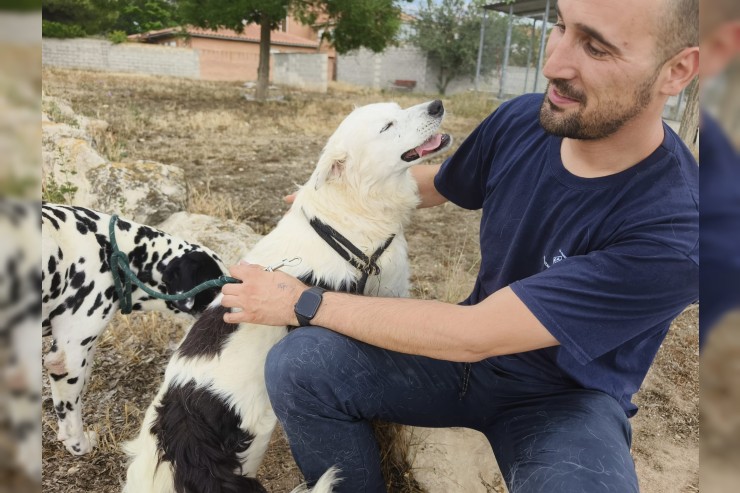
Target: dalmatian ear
[{"x": 330, "y": 167}]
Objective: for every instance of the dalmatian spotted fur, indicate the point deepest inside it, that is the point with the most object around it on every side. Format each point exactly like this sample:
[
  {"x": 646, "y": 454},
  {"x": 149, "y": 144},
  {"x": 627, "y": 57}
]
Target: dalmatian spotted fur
[
  {"x": 79, "y": 297},
  {"x": 20, "y": 323}
]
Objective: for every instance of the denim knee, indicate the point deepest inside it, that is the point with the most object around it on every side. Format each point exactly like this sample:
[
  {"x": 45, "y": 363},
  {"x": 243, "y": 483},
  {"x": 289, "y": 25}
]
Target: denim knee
[{"x": 291, "y": 361}]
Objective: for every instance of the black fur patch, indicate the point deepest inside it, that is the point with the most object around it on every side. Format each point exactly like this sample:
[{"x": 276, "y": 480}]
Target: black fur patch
[
  {"x": 148, "y": 233},
  {"x": 187, "y": 271},
  {"x": 98, "y": 303},
  {"x": 51, "y": 220},
  {"x": 123, "y": 225},
  {"x": 200, "y": 436},
  {"x": 58, "y": 213},
  {"x": 75, "y": 301},
  {"x": 208, "y": 334},
  {"x": 88, "y": 340}
]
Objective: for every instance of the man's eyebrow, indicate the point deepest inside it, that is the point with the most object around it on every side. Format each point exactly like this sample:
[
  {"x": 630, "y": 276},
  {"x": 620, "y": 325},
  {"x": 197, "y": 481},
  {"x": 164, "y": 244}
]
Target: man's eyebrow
[{"x": 593, "y": 33}]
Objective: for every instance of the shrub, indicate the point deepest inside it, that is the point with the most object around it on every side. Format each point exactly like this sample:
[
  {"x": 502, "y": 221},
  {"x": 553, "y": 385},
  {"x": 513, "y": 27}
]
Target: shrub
[
  {"x": 117, "y": 37},
  {"x": 51, "y": 29}
]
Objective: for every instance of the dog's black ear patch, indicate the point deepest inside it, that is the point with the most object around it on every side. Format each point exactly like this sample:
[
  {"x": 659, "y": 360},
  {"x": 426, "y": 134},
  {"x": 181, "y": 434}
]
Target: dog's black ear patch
[
  {"x": 200, "y": 436},
  {"x": 208, "y": 334},
  {"x": 188, "y": 271}
]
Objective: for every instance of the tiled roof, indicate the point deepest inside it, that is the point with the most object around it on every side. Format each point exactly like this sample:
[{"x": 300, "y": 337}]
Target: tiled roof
[{"x": 251, "y": 34}]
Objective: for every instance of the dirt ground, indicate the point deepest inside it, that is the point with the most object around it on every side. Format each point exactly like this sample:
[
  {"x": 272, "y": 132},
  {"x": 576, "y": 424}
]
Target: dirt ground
[{"x": 250, "y": 155}]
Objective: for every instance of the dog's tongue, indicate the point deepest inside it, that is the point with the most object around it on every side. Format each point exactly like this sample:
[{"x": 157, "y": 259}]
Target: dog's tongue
[{"x": 430, "y": 145}]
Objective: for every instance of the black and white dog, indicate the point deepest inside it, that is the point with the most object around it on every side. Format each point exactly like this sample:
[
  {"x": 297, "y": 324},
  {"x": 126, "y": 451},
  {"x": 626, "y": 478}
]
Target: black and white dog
[
  {"x": 211, "y": 421},
  {"x": 79, "y": 298}
]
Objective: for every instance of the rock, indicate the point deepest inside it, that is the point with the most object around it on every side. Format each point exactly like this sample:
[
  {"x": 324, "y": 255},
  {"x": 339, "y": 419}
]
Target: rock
[
  {"x": 146, "y": 192},
  {"x": 230, "y": 239},
  {"x": 66, "y": 159},
  {"x": 74, "y": 172},
  {"x": 453, "y": 460}
]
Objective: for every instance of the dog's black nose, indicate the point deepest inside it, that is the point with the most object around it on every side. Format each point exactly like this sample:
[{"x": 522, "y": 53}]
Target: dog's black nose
[{"x": 436, "y": 108}]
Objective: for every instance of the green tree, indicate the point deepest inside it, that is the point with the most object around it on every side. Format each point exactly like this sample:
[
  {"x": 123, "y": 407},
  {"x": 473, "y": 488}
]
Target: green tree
[
  {"x": 448, "y": 32},
  {"x": 138, "y": 16},
  {"x": 72, "y": 18},
  {"x": 347, "y": 24}
]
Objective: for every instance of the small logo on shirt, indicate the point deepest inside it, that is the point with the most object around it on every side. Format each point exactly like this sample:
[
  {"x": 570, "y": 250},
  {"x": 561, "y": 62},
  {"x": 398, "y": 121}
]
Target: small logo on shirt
[{"x": 555, "y": 259}]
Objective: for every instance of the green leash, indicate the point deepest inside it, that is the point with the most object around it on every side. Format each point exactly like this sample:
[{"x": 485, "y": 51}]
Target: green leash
[{"x": 119, "y": 267}]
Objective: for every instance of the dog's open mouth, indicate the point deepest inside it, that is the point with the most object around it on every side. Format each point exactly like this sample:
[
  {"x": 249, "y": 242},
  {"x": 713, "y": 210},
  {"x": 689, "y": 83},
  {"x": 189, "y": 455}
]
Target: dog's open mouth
[{"x": 433, "y": 144}]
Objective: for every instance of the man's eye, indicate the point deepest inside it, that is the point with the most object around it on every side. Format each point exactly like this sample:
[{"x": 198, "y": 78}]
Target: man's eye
[
  {"x": 387, "y": 126},
  {"x": 595, "y": 52},
  {"x": 560, "y": 27}
]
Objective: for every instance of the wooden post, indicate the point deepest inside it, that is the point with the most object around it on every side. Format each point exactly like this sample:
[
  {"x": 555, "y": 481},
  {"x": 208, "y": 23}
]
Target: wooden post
[{"x": 689, "y": 129}]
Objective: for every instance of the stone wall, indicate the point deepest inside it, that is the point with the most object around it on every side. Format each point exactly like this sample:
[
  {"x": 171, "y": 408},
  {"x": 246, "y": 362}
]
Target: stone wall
[
  {"x": 380, "y": 70},
  {"x": 99, "y": 54},
  {"x": 307, "y": 71}
]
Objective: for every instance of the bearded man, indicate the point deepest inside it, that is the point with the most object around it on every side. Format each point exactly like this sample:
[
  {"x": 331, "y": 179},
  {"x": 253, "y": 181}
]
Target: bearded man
[{"x": 589, "y": 247}]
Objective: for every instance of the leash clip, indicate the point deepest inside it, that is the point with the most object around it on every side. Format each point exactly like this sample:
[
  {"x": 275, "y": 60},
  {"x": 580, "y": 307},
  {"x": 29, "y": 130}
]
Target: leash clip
[{"x": 284, "y": 263}]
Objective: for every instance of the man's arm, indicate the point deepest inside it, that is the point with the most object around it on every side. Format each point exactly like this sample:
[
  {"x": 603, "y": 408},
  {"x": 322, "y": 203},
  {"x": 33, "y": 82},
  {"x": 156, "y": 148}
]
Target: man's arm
[
  {"x": 501, "y": 324},
  {"x": 424, "y": 175}
]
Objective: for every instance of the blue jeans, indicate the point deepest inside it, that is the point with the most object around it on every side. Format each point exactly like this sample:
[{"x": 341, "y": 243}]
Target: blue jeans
[{"x": 325, "y": 388}]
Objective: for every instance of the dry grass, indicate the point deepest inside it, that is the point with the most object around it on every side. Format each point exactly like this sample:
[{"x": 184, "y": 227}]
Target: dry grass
[{"x": 205, "y": 201}]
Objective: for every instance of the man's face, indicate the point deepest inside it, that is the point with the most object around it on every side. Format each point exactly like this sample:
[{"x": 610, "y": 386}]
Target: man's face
[{"x": 602, "y": 64}]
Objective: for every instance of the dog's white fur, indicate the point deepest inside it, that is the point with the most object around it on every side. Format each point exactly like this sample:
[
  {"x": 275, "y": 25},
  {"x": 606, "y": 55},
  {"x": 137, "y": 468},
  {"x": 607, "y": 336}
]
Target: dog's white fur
[{"x": 362, "y": 188}]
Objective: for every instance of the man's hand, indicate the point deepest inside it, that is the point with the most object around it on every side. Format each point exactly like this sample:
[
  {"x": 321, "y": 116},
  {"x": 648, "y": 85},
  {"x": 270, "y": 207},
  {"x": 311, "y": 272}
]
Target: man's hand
[{"x": 263, "y": 297}]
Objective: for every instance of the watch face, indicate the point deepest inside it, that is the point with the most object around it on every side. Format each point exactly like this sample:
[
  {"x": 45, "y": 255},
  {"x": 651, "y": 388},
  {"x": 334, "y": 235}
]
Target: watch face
[{"x": 308, "y": 303}]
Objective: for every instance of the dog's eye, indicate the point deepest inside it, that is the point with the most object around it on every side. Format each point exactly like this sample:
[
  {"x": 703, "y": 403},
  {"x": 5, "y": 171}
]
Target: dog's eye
[{"x": 389, "y": 125}]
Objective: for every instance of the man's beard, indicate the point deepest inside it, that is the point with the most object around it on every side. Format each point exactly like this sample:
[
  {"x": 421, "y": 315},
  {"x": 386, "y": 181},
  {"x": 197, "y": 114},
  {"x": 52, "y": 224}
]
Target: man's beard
[{"x": 598, "y": 123}]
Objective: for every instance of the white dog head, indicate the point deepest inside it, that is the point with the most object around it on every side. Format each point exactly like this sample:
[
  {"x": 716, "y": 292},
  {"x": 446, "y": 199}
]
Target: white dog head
[{"x": 380, "y": 141}]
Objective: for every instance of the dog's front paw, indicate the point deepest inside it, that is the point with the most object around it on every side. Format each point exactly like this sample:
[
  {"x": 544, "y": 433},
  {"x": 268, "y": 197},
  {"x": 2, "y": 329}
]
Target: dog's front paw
[{"x": 83, "y": 444}]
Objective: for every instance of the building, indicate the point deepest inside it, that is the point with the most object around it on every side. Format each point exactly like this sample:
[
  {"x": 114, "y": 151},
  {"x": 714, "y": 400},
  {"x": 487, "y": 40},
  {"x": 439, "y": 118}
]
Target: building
[{"x": 228, "y": 55}]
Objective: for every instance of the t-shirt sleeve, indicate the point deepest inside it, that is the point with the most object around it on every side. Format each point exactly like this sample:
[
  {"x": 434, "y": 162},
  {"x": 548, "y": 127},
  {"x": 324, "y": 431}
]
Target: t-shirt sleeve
[
  {"x": 596, "y": 302},
  {"x": 462, "y": 177}
]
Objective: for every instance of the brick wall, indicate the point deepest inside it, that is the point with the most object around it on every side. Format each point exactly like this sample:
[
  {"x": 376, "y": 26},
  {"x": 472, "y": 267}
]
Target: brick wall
[
  {"x": 98, "y": 54},
  {"x": 302, "y": 70}
]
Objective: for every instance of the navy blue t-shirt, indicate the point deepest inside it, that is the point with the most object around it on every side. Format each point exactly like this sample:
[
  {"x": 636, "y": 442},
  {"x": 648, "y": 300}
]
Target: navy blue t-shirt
[
  {"x": 605, "y": 264},
  {"x": 720, "y": 226}
]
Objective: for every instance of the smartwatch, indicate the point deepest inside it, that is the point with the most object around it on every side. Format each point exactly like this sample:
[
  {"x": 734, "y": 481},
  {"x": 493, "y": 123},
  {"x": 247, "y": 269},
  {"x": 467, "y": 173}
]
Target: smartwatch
[{"x": 308, "y": 304}]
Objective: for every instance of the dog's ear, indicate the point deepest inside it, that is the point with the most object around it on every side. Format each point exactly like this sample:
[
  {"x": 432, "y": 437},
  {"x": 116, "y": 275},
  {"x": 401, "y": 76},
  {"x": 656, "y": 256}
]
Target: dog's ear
[{"x": 330, "y": 167}]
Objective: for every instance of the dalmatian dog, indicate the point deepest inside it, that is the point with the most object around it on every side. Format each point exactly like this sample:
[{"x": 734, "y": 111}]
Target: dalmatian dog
[
  {"x": 20, "y": 331},
  {"x": 79, "y": 297}
]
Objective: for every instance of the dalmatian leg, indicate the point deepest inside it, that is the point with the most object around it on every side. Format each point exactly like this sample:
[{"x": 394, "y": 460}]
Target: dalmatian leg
[{"x": 68, "y": 363}]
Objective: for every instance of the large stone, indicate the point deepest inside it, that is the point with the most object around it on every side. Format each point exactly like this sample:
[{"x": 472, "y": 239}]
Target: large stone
[
  {"x": 146, "y": 192},
  {"x": 74, "y": 172},
  {"x": 453, "y": 460},
  {"x": 230, "y": 239}
]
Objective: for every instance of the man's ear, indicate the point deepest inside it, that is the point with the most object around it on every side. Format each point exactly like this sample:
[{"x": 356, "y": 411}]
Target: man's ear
[
  {"x": 681, "y": 70},
  {"x": 330, "y": 167}
]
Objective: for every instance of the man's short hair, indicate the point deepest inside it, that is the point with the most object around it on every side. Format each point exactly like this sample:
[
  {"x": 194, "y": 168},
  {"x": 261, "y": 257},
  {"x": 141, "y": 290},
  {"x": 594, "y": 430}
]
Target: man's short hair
[{"x": 679, "y": 27}]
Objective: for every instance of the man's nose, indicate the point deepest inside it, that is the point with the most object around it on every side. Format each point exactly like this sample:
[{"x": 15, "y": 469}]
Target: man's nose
[{"x": 560, "y": 57}]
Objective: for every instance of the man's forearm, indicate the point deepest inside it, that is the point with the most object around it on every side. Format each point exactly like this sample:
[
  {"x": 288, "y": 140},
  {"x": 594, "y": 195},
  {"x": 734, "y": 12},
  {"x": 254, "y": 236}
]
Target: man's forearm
[
  {"x": 424, "y": 175},
  {"x": 499, "y": 325}
]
